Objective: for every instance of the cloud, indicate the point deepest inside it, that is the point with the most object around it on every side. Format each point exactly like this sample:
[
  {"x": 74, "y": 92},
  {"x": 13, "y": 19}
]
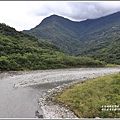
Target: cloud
[
  {"x": 18, "y": 14},
  {"x": 79, "y": 10},
  {"x": 90, "y": 10},
  {"x": 27, "y": 14}
]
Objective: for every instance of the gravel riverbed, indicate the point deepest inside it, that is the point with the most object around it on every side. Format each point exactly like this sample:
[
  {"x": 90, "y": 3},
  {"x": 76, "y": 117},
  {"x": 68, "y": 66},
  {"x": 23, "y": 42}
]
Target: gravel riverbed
[{"x": 41, "y": 77}]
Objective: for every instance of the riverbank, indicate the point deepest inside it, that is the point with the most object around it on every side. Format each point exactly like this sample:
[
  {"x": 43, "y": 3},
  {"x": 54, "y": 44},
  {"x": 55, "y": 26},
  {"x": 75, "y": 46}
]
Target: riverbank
[
  {"x": 55, "y": 110},
  {"x": 89, "y": 99},
  {"x": 52, "y": 109}
]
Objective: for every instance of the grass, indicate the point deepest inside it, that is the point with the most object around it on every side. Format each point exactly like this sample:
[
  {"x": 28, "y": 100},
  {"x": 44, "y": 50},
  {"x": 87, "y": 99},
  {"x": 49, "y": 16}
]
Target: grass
[
  {"x": 112, "y": 65},
  {"x": 94, "y": 97}
]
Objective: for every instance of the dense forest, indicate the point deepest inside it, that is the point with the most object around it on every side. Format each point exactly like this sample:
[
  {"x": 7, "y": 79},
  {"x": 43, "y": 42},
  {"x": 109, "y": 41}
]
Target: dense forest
[
  {"x": 20, "y": 51},
  {"x": 110, "y": 53},
  {"x": 96, "y": 38}
]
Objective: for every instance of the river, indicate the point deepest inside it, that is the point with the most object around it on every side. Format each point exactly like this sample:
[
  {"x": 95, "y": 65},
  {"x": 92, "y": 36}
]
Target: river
[{"x": 19, "y": 92}]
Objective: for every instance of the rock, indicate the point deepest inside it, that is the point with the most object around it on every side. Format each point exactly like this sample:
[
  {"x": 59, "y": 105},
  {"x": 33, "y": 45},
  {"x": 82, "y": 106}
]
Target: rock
[{"x": 38, "y": 115}]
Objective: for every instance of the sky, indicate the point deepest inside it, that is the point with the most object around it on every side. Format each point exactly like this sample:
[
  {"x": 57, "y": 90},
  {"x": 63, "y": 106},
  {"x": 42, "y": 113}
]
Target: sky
[{"x": 24, "y": 15}]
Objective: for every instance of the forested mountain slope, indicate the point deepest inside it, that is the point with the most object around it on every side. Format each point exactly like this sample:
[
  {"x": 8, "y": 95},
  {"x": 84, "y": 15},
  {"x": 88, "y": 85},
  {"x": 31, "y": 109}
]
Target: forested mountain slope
[
  {"x": 59, "y": 31},
  {"x": 20, "y": 51},
  {"x": 80, "y": 38}
]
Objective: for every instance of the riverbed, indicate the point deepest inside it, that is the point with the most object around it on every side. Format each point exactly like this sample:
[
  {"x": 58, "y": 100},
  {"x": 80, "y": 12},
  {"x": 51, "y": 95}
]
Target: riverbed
[{"x": 20, "y": 91}]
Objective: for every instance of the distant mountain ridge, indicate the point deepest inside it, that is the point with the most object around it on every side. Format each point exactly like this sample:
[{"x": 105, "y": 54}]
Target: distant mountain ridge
[{"x": 83, "y": 38}]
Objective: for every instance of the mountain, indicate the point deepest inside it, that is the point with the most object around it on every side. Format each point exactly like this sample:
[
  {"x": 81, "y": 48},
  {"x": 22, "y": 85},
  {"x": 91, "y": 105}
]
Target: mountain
[
  {"x": 20, "y": 51},
  {"x": 59, "y": 31},
  {"x": 83, "y": 38}
]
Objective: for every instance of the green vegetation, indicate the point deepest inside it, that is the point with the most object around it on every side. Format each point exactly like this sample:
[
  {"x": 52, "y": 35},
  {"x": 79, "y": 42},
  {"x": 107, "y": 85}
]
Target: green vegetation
[
  {"x": 109, "y": 54},
  {"x": 96, "y": 38},
  {"x": 112, "y": 65},
  {"x": 59, "y": 31},
  {"x": 89, "y": 99},
  {"x": 19, "y": 51}
]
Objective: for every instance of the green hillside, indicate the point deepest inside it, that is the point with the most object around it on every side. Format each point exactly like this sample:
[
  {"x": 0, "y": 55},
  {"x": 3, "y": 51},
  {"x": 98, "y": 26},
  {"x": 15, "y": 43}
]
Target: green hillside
[
  {"x": 19, "y": 51},
  {"x": 59, "y": 31},
  {"x": 110, "y": 53},
  {"x": 83, "y": 38}
]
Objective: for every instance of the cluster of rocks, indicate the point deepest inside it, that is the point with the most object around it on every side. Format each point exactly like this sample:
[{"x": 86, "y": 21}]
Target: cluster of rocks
[{"x": 52, "y": 109}]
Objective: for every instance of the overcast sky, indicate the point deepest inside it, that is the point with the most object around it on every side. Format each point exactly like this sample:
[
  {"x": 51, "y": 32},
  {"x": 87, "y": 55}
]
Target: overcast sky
[{"x": 24, "y": 15}]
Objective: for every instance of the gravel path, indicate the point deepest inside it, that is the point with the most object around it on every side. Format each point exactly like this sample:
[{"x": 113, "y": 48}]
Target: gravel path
[{"x": 31, "y": 78}]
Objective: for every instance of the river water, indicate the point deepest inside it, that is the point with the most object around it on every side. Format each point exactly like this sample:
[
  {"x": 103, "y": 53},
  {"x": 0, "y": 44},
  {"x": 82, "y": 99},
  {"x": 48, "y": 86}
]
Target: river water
[
  {"x": 21, "y": 102},
  {"x": 17, "y": 101}
]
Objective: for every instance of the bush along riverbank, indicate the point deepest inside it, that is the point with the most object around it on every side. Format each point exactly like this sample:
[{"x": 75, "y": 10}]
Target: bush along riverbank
[{"x": 98, "y": 97}]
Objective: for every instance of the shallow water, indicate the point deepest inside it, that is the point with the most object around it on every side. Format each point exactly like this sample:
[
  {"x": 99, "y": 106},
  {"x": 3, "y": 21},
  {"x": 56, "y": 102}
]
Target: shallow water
[{"x": 21, "y": 102}]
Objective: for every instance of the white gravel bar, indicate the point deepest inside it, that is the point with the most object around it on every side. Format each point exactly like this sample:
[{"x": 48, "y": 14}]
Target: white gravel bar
[{"x": 28, "y": 78}]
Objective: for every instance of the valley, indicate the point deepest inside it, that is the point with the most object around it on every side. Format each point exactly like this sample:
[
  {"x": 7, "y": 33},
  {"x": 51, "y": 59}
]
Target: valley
[{"x": 54, "y": 54}]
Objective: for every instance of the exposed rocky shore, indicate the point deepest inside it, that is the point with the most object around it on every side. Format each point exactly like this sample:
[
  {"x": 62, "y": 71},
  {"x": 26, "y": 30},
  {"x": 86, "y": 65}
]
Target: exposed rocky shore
[
  {"x": 52, "y": 109},
  {"x": 28, "y": 78}
]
